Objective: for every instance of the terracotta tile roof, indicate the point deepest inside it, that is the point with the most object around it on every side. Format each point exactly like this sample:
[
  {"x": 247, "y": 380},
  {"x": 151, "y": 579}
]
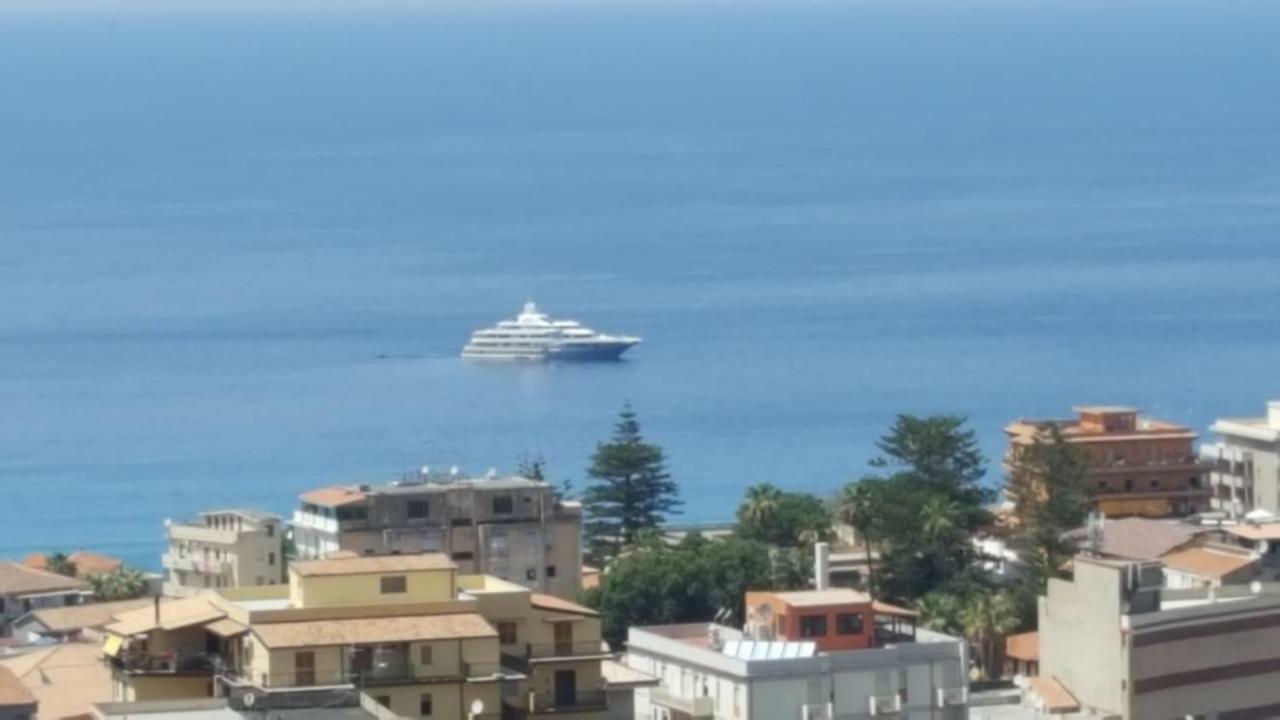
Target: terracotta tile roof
[
  {"x": 18, "y": 579},
  {"x": 77, "y": 617},
  {"x": 66, "y": 679},
  {"x": 365, "y": 631},
  {"x": 174, "y": 614},
  {"x": 1207, "y": 562},
  {"x": 87, "y": 563},
  {"x": 555, "y": 604},
  {"x": 1024, "y": 647},
  {"x": 226, "y": 627},
  {"x": 364, "y": 564},
  {"x": 13, "y": 691},
  {"x": 336, "y": 496},
  {"x": 1056, "y": 698},
  {"x": 1142, "y": 538}
]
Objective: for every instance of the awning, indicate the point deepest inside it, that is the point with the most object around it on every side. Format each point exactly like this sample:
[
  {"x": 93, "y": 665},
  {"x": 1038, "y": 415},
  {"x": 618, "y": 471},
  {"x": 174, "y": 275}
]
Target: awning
[
  {"x": 883, "y": 608},
  {"x": 111, "y": 647},
  {"x": 226, "y": 628}
]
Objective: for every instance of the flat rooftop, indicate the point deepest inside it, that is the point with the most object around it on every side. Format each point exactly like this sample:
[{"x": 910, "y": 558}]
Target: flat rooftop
[
  {"x": 822, "y": 598},
  {"x": 339, "y": 495},
  {"x": 370, "y": 564}
]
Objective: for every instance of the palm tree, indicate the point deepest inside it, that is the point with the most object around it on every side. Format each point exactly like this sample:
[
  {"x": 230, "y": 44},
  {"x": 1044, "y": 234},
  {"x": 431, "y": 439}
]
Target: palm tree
[
  {"x": 988, "y": 617},
  {"x": 938, "y": 520},
  {"x": 762, "y": 504},
  {"x": 856, "y": 509},
  {"x": 60, "y": 563},
  {"x": 123, "y": 584}
]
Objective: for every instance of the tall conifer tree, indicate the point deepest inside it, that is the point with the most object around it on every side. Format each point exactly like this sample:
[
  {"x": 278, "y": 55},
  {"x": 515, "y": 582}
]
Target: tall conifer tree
[{"x": 629, "y": 489}]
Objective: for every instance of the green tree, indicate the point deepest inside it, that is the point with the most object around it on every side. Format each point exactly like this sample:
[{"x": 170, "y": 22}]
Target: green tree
[
  {"x": 988, "y": 619},
  {"x": 928, "y": 505},
  {"x": 1046, "y": 481},
  {"x": 761, "y": 505},
  {"x": 692, "y": 581},
  {"x": 532, "y": 466},
  {"x": 783, "y": 519},
  {"x": 857, "y": 508},
  {"x": 123, "y": 584},
  {"x": 630, "y": 490},
  {"x": 60, "y": 563}
]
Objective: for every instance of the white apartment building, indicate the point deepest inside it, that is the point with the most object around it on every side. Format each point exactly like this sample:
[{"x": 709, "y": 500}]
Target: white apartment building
[
  {"x": 712, "y": 672},
  {"x": 1245, "y": 472},
  {"x": 224, "y": 548}
]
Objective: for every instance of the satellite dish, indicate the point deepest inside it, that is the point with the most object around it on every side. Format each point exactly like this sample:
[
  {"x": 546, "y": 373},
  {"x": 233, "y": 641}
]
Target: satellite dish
[
  {"x": 248, "y": 699},
  {"x": 477, "y": 706}
]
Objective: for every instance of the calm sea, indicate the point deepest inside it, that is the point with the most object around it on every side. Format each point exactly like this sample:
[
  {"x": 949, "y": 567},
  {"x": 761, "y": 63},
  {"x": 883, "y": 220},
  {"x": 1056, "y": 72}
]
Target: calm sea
[{"x": 241, "y": 245}]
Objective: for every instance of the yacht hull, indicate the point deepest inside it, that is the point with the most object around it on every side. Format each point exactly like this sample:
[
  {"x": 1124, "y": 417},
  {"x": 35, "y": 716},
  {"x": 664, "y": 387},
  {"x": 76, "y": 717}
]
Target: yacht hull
[{"x": 596, "y": 351}]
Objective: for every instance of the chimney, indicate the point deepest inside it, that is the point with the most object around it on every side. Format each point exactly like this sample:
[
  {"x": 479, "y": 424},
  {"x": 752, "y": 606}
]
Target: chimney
[
  {"x": 821, "y": 566},
  {"x": 157, "y": 601}
]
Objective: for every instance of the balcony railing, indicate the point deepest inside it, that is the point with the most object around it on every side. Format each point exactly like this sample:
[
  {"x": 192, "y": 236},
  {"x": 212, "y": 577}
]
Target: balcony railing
[
  {"x": 534, "y": 705},
  {"x": 522, "y": 657},
  {"x": 167, "y": 663},
  {"x": 194, "y": 563},
  {"x": 383, "y": 677}
]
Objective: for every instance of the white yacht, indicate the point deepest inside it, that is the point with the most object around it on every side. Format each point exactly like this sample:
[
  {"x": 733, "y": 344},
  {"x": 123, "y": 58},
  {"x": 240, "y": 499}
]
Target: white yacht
[{"x": 535, "y": 336}]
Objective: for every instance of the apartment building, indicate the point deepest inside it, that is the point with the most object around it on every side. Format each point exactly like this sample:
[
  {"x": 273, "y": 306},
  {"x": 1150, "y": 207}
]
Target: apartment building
[
  {"x": 1112, "y": 645},
  {"x": 404, "y": 632},
  {"x": 882, "y": 666},
  {"x": 24, "y": 589},
  {"x": 1136, "y": 465},
  {"x": 512, "y": 528},
  {"x": 1245, "y": 463},
  {"x": 221, "y": 549}
]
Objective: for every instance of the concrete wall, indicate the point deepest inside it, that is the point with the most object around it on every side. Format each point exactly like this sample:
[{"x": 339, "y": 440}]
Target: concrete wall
[
  {"x": 143, "y": 688},
  {"x": 366, "y": 589},
  {"x": 1080, "y": 639}
]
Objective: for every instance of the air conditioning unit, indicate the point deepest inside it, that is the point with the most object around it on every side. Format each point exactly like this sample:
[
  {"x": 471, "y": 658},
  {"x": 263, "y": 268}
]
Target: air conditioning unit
[
  {"x": 885, "y": 705},
  {"x": 951, "y": 697}
]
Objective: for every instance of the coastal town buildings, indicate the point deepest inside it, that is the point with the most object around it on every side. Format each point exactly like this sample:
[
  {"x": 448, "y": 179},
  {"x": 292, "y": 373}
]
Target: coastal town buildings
[
  {"x": 405, "y": 632},
  {"x": 890, "y": 668},
  {"x": 512, "y": 528},
  {"x": 24, "y": 589},
  {"x": 66, "y": 679},
  {"x": 224, "y": 548},
  {"x": 1136, "y": 465},
  {"x": 1244, "y": 463},
  {"x": 73, "y": 623},
  {"x": 1113, "y": 643}
]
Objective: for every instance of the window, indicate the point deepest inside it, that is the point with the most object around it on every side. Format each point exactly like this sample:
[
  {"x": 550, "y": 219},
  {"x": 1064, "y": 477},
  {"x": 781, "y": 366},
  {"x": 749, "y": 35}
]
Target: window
[
  {"x": 531, "y": 574},
  {"x": 464, "y": 556},
  {"x": 419, "y": 509},
  {"x": 424, "y": 655},
  {"x": 507, "y": 633},
  {"x": 271, "y": 558},
  {"x": 551, "y": 571},
  {"x": 393, "y": 584},
  {"x": 813, "y": 626},
  {"x": 424, "y": 705},
  {"x": 271, "y": 530},
  {"x": 849, "y": 624},
  {"x": 502, "y": 505}
]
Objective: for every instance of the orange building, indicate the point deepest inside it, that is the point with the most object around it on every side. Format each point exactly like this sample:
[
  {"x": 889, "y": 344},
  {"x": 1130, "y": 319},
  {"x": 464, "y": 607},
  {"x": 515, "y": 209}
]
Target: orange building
[
  {"x": 834, "y": 620},
  {"x": 1136, "y": 465}
]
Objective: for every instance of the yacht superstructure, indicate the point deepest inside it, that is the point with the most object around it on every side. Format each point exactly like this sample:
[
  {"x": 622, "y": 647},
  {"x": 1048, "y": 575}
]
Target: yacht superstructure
[{"x": 535, "y": 336}]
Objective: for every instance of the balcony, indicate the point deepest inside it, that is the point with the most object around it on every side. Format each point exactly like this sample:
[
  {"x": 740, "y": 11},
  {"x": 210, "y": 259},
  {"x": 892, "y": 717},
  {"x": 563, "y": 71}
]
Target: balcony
[
  {"x": 536, "y": 705},
  {"x": 191, "y": 563},
  {"x": 529, "y": 654},
  {"x": 201, "y": 533},
  {"x": 172, "y": 663},
  {"x": 694, "y": 708}
]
